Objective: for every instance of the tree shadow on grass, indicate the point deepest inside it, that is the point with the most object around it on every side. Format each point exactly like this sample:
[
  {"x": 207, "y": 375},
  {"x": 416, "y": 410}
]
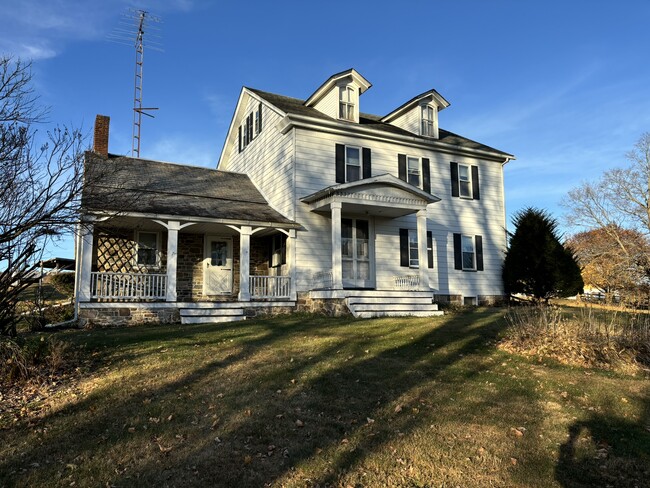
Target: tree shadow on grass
[{"x": 238, "y": 425}]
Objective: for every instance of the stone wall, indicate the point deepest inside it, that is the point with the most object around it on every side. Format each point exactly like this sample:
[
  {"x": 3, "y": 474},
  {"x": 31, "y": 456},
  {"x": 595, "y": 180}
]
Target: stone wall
[
  {"x": 127, "y": 315},
  {"x": 334, "y": 307}
]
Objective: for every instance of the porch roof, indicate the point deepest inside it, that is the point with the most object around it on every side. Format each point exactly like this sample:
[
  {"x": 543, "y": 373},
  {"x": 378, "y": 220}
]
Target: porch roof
[
  {"x": 382, "y": 195},
  {"x": 125, "y": 185}
]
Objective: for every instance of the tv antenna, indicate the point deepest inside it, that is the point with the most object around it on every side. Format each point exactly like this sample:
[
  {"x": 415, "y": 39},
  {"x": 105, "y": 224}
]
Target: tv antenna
[{"x": 135, "y": 22}]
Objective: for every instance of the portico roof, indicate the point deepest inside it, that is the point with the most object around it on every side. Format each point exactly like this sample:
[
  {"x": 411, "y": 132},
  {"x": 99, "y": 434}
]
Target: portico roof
[{"x": 382, "y": 195}]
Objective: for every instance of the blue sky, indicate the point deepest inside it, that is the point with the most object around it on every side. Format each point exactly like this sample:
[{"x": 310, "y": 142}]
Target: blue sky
[{"x": 563, "y": 85}]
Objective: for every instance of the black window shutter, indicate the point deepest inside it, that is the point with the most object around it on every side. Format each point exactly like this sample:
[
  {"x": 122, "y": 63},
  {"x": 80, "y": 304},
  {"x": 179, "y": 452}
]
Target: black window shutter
[
  {"x": 250, "y": 127},
  {"x": 478, "y": 242},
  {"x": 240, "y": 138},
  {"x": 426, "y": 175},
  {"x": 367, "y": 171},
  {"x": 259, "y": 127},
  {"x": 458, "y": 255},
  {"x": 454, "y": 180},
  {"x": 340, "y": 163},
  {"x": 404, "y": 247},
  {"x": 271, "y": 252},
  {"x": 430, "y": 248},
  {"x": 475, "y": 191},
  {"x": 401, "y": 166},
  {"x": 283, "y": 243}
]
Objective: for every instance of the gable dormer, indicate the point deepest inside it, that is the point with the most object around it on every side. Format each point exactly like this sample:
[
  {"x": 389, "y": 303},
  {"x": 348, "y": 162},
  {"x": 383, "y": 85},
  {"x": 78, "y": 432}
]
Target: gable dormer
[
  {"x": 338, "y": 97},
  {"x": 419, "y": 115}
]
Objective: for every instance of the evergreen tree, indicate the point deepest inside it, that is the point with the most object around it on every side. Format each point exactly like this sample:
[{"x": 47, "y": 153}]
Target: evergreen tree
[{"x": 537, "y": 263}]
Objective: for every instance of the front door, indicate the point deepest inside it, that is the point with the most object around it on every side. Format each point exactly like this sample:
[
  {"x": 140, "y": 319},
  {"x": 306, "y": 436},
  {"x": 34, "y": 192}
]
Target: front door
[
  {"x": 217, "y": 266},
  {"x": 356, "y": 254}
]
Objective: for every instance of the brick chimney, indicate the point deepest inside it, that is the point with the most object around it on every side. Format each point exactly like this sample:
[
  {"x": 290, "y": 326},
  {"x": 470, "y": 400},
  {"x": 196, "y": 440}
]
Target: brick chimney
[{"x": 100, "y": 139}]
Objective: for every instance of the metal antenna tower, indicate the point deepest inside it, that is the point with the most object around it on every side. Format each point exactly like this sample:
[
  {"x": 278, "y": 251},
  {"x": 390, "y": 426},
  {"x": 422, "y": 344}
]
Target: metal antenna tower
[{"x": 138, "y": 19}]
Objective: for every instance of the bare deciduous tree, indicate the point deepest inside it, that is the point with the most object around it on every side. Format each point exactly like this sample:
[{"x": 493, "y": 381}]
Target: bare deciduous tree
[
  {"x": 617, "y": 203},
  {"x": 40, "y": 184}
]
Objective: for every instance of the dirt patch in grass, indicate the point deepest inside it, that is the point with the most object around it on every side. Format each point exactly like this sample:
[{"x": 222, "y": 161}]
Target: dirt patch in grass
[{"x": 309, "y": 401}]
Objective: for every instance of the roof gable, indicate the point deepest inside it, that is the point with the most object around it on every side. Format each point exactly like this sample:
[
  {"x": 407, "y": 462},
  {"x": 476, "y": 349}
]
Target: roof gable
[
  {"x": 430, "y": 96},
  {"x": 351, "y": 75}
]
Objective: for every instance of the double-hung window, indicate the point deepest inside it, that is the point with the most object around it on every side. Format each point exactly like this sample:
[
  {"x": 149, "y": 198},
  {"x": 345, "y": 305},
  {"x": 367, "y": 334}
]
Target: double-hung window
[
  {"x": 469, "y": 261},
  {"x": 464, "y": 181},
  {"x": 468, "y": 252},
  {"x": 346, "y": 103},
  {"x": 413, "y": 171},
  {"x": 428, "y": 115},
  {"x": 409, "y": 251},
  {"x": 352, "y": 163},
  {"x": 147, "y": 249},
  {"x": 414, "y": 254}
]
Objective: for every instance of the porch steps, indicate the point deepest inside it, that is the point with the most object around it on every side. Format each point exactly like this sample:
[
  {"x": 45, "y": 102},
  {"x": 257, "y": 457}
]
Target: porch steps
[
  {"x": 220, "y": 312},
  {"x": 392, "y": 304},
  {"x": 211, "y": 315}
]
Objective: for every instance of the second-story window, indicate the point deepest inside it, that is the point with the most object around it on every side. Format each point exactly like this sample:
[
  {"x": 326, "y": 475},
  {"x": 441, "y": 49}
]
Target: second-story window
[
  {"x": 464, "y": 181},
  {"x": 413, "y": 168},
  {"x": 428, "y": 114},
  {"x": 346, "y": 103},
  {"x": 352, "y": 163}
]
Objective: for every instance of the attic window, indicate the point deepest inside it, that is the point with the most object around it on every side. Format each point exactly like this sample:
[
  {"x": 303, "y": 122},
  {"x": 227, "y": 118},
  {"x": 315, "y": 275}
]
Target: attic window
[
  {"x": 346, "y": 103},
  {"x": 428, "y": 121}
]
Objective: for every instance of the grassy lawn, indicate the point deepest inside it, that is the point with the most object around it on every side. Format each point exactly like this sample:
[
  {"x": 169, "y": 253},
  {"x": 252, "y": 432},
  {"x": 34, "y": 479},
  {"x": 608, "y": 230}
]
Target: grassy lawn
[{"x": 311, "y": 401}]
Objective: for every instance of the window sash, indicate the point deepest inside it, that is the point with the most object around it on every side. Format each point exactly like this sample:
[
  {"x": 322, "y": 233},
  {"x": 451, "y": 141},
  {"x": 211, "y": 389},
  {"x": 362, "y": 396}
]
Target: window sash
[
  {"x": 414, "y": 254},
  {"x": 147, "y": 249},
  {"x": 427, "y": 121},
  {"x": 352, "y": 163},
  {"x": 346, "y": 103},
  {"x": 464, "y": 181},
  {"x": 468, "y": 252},
  {"x": 413, "y": 171}
]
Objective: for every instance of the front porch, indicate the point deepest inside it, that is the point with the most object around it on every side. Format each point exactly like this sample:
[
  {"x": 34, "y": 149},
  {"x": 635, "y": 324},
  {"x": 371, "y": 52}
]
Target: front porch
[{"x": 139, "y": 259}]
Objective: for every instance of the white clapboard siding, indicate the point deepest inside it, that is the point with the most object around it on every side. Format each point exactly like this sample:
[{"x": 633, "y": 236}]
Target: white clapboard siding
[
  {"x": 268, "y": 159},
  {"x": 315, "y": 169}
]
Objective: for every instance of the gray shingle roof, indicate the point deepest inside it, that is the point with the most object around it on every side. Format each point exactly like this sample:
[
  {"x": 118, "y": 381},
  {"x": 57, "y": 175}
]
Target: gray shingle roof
[
  {"x": 125, "y": 184},
  {"x": 296, "y": 106}
]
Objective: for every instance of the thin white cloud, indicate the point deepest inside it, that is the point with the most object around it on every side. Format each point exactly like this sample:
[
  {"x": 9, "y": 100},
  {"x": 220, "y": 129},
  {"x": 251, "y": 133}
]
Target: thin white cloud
[
  {"x": 178, "y": 149},
  {"x": 40, "y": 29}
]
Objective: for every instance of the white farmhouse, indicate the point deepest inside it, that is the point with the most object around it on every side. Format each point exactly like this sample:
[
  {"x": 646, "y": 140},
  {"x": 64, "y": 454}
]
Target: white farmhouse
[{"x": 314, "y": 205}]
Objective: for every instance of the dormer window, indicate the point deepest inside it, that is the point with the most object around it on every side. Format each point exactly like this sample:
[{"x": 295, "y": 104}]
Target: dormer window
[
  {"x": 346, "y": 103},
  {"x": 428, "y": 127}
]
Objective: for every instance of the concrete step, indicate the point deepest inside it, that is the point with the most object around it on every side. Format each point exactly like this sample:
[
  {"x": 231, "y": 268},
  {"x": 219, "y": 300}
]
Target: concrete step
[
  {"x": 395, "y": 307},
  {"x": 393, "y": 313},
  {"x": 400, "y": 300},
  {"x": 212, "y": 319},
  {"x": 207, "y": 312}
]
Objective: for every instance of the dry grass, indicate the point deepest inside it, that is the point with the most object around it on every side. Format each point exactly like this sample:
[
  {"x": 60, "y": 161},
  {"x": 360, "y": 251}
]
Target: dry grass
[
  {"x": 591, "y": 337},
  {"x": 308, "y": 401}
]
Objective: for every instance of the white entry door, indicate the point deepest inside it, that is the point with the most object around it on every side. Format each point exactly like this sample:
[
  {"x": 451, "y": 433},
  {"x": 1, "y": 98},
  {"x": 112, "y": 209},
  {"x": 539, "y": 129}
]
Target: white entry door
[
  {"x": 217, "y": 266},
  {"x": 357, "y": 254}
]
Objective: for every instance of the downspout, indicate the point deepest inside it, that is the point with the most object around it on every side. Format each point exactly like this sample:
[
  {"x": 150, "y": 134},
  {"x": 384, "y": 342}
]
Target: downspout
[{"x": 76, "y": 284}]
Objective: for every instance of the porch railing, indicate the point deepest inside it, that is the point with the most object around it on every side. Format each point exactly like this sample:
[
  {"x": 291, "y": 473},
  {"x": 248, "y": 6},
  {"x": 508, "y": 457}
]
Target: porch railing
[
  {"x": 128, "y": 286},
  {"x": 407, "y": 282},
  {"x": 270, "y": 286}
]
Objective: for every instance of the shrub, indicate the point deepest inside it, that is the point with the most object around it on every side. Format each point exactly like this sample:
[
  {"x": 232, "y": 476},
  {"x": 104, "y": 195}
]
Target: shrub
[{"x": 33, "y": 358}]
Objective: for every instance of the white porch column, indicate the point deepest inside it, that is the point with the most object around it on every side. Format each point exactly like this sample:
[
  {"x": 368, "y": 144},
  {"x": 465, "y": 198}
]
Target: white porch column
[
  {"x": 337, "y": 267},
  {"x": 173, "y": 226},
  {"x": 291, "y": 263},
  {"x": 423, "y": 258},
  {"x": 244, "y": 262},
  {"x": 86, "y": 256}
]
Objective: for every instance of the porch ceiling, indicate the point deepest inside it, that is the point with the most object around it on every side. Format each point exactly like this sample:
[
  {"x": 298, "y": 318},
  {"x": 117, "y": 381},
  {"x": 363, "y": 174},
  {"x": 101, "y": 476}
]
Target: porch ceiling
[{"x": 383, "y": 196}]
